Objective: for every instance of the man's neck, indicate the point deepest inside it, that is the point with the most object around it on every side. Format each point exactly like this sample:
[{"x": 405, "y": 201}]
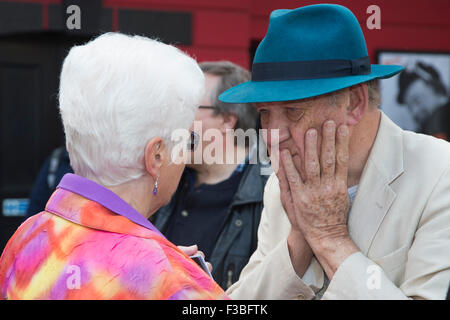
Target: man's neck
[{"x": 361, "y": 143}]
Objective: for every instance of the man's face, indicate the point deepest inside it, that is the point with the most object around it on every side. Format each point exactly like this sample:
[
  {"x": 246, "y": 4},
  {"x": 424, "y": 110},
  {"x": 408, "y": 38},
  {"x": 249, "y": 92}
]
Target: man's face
[
  {"x": 294, "y": 118},
  {"x": 206, "y": 116}
]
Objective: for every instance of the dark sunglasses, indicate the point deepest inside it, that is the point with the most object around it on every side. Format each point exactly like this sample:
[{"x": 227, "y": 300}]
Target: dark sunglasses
[{"x": 193, "y": 141}]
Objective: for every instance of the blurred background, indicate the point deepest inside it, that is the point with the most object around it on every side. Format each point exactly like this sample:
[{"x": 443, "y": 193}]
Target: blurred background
[{"x": 35, "y": 38}]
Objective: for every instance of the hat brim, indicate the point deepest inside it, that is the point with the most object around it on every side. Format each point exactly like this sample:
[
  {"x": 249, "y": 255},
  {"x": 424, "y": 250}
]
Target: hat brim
[{"x": 271, "y": 91}]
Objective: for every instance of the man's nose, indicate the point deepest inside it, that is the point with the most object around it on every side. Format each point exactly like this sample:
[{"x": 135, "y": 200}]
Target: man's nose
[{"x": 277, "y": 132}]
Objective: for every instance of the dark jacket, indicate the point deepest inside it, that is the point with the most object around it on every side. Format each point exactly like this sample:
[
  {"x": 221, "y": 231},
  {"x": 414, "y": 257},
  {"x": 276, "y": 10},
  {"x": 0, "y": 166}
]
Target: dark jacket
[
  {"x": 238, "y": 238},
  {"x": 54, "y": 168}
]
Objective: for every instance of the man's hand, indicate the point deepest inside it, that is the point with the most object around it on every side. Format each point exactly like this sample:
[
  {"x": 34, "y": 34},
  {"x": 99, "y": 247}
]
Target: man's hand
[
  {"x": 319, "y": 204},
  {"x": 299, "y": 250},
  {"x": 321, "y": 201}
]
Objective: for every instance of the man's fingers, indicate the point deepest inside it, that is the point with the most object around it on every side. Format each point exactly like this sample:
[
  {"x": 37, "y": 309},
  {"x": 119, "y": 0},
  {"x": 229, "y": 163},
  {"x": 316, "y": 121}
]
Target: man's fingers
[
  {"x": 201, "y": 253},
  {"x": 284, "y": 184},
  {"x": 292, "y": 176},
  {"x": 190, "y": 250},
  {"x": 312, "y": 167},
  {"x": 328, "y": 150},
  {"x": 342, "y": 141},
  {"x": 285, "y": 195}
]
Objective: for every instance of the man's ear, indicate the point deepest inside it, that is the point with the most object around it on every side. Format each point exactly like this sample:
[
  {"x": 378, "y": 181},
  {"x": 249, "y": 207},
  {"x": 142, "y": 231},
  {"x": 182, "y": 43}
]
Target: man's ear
[
  {"x": 229, "y": 121},
  {"x": 154, "y": 157},
  {"x": 359, "y": 103}
]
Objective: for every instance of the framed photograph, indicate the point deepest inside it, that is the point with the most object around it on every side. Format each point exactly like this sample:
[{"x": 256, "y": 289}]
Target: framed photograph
[{"x": 417, "y": 99}]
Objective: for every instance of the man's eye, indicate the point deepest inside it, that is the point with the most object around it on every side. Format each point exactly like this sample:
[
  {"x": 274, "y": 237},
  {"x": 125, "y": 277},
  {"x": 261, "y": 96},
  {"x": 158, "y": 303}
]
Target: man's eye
[{"x": 294, "y": 114}]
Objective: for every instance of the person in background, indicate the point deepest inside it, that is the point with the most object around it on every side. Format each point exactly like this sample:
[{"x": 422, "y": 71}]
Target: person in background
[
  {"x": 54, "y": 168},
  {"x": 94, "y": 240},
  {"x": 219, "y": 203}
]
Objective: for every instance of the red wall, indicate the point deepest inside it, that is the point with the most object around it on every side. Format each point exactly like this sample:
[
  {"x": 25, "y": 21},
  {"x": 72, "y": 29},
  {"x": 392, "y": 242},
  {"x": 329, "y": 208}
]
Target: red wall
[
  {"x": 405, "y": 24},
  {"x": 223, "y": 29}
]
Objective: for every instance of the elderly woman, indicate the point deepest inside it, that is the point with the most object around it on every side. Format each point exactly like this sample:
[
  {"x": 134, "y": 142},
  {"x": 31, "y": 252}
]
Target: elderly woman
[{"x": 121, "y": 97}]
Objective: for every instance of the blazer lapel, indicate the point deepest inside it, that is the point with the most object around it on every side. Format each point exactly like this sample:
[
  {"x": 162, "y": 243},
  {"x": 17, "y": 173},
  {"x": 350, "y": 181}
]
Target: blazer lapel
[{"x": 375, "y": 195}]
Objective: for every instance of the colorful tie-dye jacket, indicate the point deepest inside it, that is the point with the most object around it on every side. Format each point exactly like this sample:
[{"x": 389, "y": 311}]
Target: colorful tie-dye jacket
[{"x": 78, "y": 249}]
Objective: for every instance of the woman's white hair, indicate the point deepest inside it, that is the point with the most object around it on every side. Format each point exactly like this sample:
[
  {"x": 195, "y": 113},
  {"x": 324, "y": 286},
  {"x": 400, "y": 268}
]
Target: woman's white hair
[{"x": 116, "y": 93}]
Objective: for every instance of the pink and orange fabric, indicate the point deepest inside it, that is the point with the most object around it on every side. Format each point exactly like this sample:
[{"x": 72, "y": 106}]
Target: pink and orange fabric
[{"x": 90, "y": 244}]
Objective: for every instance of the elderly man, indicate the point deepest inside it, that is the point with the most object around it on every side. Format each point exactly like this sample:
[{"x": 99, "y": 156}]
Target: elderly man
[
  {"x": 219, "y": 201},
  {"x": 313, "y": 82}
]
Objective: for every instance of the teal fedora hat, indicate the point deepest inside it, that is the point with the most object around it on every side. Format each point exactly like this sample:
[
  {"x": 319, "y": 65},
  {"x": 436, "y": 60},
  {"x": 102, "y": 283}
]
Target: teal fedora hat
[{"x": 307, "y": 52}]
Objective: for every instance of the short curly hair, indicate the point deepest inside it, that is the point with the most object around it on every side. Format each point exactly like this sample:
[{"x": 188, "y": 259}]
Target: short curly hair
[{"x": 116, "y": 93}]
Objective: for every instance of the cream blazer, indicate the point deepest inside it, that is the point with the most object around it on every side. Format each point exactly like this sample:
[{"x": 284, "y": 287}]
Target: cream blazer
[{"x": 400, "y": 221}]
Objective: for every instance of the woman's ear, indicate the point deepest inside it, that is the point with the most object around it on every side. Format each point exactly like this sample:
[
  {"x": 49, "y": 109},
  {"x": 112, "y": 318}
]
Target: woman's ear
[
  {"x": 359, "y": 103},
  {"x": 154, "y": 157}
]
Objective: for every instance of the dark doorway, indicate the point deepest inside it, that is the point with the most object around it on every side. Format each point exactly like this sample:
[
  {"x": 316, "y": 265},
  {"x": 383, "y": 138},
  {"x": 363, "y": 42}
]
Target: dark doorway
[
  {"x": 254, "y": 43},
  {"x": 30, "y": 127}
]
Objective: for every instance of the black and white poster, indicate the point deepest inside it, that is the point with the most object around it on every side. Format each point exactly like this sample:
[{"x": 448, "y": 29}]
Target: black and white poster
[{"x": 417, "y": 99}]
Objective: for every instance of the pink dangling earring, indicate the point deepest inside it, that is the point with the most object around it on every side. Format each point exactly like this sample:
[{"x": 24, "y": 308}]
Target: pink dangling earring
[{"x": 155, "y": 188}]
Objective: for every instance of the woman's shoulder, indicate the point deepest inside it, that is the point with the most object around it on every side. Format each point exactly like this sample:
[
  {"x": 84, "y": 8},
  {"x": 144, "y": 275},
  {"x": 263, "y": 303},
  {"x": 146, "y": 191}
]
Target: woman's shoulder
[
  {"x": 155, "y": 252},
  {"x": 158, "y": 259}
]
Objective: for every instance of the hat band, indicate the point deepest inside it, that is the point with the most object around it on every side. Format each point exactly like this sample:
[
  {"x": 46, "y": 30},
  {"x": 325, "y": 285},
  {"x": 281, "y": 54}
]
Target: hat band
[{"x": 311, "y": 69}]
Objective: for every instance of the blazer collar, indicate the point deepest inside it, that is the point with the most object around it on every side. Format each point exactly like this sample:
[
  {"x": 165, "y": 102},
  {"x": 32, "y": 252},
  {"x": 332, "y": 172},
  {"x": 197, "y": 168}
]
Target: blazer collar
[
  {"x": 375, "y": 195},
  {"x": 387, "y": 151}
]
